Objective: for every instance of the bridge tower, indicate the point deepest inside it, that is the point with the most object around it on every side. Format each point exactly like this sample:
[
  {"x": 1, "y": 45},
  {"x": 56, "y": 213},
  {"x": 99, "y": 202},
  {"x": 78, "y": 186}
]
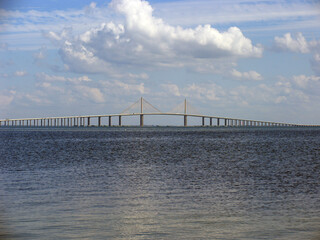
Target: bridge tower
[
  {"x": 185, "y": 113},
  {"x": 139, "y": 108},
  {"x": 141, "y": 111}
]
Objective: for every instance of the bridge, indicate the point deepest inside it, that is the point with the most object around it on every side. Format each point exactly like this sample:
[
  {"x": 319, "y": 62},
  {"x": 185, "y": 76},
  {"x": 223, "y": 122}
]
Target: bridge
[{"x": 141, "y": 108}]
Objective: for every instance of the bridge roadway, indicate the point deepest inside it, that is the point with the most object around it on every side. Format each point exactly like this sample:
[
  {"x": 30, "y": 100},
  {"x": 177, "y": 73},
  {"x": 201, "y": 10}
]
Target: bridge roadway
[{"x": 85, "y": 121}]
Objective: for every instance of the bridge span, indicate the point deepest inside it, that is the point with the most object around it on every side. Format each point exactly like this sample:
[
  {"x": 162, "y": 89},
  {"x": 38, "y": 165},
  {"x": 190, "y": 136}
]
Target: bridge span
[{"x": 86, "y": 120}]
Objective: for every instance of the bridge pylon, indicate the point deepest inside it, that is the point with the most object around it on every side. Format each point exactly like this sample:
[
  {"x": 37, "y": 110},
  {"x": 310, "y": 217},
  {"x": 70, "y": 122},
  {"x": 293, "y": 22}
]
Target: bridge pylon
[
  {"x": 186, "y": 109},
  {"x": 185, "y": 119},
  {"x": 139, "y": 108}
]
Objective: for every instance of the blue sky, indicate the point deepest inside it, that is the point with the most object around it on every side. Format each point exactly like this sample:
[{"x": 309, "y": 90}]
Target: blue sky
[{"x": 235, "y": 58}]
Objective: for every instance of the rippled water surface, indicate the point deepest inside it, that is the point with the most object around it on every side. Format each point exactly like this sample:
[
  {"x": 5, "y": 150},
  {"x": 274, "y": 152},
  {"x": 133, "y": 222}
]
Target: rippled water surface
[{"x": 160, "y": 183}]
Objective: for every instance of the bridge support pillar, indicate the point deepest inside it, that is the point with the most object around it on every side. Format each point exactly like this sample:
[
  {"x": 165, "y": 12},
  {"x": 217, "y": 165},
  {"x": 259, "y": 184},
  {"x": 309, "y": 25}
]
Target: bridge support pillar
[
  {"x": 88, "y": 121},
  {"x": 185, "y": 120},
  {"x": 218, "y": 122},
  {"x": 141, "y": 120},
  {"x": 110, "y": 123},
  {"x": 202, "y": 121},
  {"x": 210, "y": 122},
  {"x": 99, "y": 121},
  {"x": 120, "y": 121}
]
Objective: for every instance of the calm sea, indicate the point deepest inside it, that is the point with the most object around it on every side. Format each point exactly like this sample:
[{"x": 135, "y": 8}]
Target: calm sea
[{"x": 160, "y": 183}]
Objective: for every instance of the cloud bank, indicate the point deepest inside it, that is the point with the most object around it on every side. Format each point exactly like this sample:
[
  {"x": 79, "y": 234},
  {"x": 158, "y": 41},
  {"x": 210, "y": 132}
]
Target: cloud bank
[{"x": 147, "y": 41}]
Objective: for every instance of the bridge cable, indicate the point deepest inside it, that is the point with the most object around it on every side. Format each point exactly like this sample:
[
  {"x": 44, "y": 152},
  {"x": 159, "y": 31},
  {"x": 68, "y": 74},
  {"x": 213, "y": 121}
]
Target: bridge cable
[
  {"x": 151, "y": 105},
  {"x": 131, "y": 106}
]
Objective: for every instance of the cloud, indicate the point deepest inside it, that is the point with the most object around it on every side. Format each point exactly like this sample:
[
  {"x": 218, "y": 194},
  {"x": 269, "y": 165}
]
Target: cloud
[
  {"x": 91, "y": 9},
  {"x": 315, "y": 61},
  {"x": 206, "y": 42},
  {"x": 281, "y": 99},
  {"x": 282, "y": 93},
  {"x": 299, "y": 88},
  {"x": 171, "y": 89},
  {"x": 90, "y": 93},
  {"x": 251, "y": 75},
  {"x": 66, "y": 90},
  {"x": 300, "y": 45},
  {"x": 20, "y": 73},
  {"x": 24, "y": 27},
  {"x": 145, "y": 40},
  {"x": 37, "y": 98},
  {"x": 296, "y": 44},
  {"x": 49, "y": 87},
  {"x": 211, "y": 92},
  {"x": 41, "y": 54},
  {"x": 6, "y": 98},
  {"x": 200, "y": 92},
  {"x": 305, "y": 82},
  {"x": 84, "y": 88},
  {"x": 193, "y": 12},
  {"x": 119, "y": 87},
  {"x": 55, "y": 78},
  {"x": 76, "y": 87},
  {"x": 297, "y": 91}
]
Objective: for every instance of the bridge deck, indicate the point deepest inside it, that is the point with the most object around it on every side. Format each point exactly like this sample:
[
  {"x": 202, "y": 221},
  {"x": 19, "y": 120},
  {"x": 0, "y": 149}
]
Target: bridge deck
[{"x": 228, "y": 121}]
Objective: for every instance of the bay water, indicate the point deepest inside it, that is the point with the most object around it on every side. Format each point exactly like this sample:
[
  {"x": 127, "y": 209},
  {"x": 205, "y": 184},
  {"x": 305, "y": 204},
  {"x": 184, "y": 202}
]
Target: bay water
[{"x": 160, "y": 183}]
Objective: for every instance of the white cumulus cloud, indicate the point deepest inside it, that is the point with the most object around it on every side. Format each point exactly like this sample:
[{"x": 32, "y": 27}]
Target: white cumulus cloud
[
  {"x": 250, "y": 75},
  {"x": 210, "y": 92},
  {"x": 91, "y": 93},
  {"x": 172, "y": 89},
  {"x": 145, "y": 40},
  {"x": 20, "y": 73},
  {"x": 296, "y": 44},
  {"x": 301, "y": 45},
  {"x": 304, "y": 81}
]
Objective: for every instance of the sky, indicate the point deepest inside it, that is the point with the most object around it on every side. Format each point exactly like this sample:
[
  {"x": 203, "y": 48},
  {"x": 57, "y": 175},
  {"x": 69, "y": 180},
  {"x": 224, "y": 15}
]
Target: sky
[{"x": 232, "y": 58}]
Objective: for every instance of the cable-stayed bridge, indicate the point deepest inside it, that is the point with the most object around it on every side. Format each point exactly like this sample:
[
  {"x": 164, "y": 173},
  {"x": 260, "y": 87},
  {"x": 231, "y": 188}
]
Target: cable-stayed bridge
[{"x": 141, "y": 108}]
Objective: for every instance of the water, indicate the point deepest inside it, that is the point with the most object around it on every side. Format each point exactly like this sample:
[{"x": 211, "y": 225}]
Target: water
[{"x": 160, "y": 183}]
